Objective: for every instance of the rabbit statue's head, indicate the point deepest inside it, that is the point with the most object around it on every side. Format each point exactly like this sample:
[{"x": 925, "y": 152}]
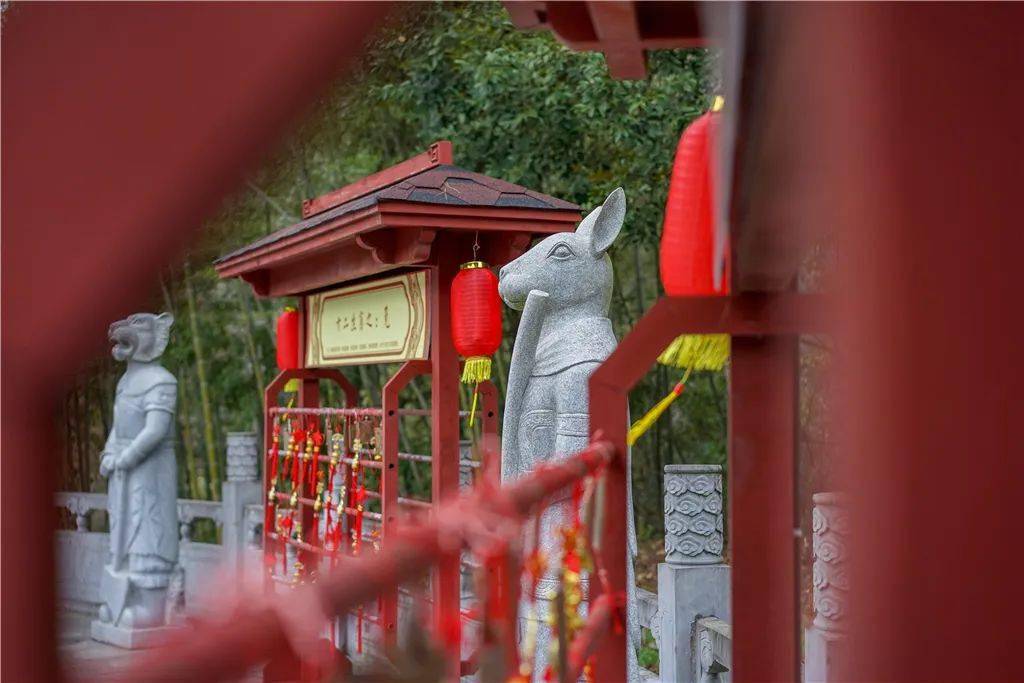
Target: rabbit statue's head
[{"x": 573, "y": 268}]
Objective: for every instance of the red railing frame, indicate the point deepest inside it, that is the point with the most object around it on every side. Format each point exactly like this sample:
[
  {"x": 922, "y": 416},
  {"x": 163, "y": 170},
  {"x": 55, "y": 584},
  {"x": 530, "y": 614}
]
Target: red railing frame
[
  {"x": 226, "y": 645},
  {"x": 762, "y": 432},
  {"x": 389, "y": 481}
]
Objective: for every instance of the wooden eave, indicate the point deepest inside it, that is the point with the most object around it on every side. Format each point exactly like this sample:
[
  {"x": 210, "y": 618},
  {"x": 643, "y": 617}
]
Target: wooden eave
[
  {"x": 385, "y": 236},
  {"x": 624, "y": 31}
]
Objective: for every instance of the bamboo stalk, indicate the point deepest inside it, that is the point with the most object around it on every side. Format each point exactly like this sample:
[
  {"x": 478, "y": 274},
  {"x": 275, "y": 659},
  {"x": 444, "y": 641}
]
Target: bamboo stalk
[
  {"x": 250, "y": 345},
  {"x": 196, "y": 486},
  {"x": 212, "y": 466}
]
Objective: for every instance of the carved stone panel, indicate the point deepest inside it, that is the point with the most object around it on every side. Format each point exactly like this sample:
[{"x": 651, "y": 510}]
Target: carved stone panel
[
  {"x": 693, "y": 514},
  {"x": 831, "y": 526},
  {"x": 243, "y": 456}
]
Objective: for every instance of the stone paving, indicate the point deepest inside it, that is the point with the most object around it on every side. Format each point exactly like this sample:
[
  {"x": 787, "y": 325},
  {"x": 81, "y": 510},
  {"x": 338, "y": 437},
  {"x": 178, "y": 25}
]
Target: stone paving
[{"x": 83, "y": 657}]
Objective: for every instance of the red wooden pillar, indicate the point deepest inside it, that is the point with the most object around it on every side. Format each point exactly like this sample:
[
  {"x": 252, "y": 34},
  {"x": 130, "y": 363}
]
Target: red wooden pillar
[
  {"x": 490, "y": 447},
  {"x": 309, "y": 397},
  {"x": 389, "y": 481},
  {"x": 444, "y": 413},
  {"x": 608, "y": 421},
  {"x": 762, "y": 508}
]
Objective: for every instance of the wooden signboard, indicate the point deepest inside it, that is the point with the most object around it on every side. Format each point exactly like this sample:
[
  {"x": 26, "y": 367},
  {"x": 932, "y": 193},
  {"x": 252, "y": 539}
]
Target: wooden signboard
[{"x": 384, "y": 321}]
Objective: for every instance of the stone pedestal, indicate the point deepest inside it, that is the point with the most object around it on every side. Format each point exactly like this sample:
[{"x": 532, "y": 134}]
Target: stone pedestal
[
  {"x": 694, "y": 580},
  {"x": 130, "y": 638},
  {"x": 825, "y": 641},
  {"x": 243, "y": 487}
]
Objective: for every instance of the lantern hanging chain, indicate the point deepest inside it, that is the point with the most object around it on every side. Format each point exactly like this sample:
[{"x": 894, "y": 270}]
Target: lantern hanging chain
[{"x": 476, "y": 245}]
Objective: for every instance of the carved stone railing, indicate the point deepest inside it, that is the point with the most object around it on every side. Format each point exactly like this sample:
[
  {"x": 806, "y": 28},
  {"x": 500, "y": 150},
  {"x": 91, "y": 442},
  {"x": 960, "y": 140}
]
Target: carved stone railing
[
  {"x": 252, "y": 526},
  {"x": 826, "y": 639},
  {"x": 831, "y": 527},
  {"x": 80, "y": 504},
  {"x": 713, "y": 649},
  {"x": 243, "y": 449},
  {"x": 693, "y": 582},
  {"x": 191, "y": 510},
  {"x": 81, "y": 555},
  {"x": 693, "y": 514}
]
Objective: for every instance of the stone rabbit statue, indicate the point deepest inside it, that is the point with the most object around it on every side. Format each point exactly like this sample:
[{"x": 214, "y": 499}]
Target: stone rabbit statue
[
  {"x": 142, "y": 494},
  {"x": 563, "y": 286}
]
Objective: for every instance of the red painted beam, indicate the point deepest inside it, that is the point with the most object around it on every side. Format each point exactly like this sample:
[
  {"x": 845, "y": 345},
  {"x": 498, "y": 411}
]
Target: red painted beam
[
  {"x": 751, "y": 314},
  {"x": 615, "y": 23}
]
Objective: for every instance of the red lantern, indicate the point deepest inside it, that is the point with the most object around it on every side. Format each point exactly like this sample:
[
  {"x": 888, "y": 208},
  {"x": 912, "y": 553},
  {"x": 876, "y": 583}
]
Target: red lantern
[
  {"x": 288, "y": 339},
  {"x": 476, "y": 319},
  {"x": 688, "y": 236}
]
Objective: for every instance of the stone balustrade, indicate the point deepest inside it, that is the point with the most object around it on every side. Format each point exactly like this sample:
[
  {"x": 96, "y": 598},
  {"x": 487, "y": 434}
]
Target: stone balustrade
[
  {"x": 80, "y": 504},
  {"x": 191, "y": 510},
  {"x": 713, "y": 649},
  {"x": 689, "y": 616},
  {"x": 693, "y": 514},
  {"x": 693, "y": 582},
  {"x": 825, "y": 640},
  {"x": 243, "y": 456},
  {"x": 82, "y": 553}
]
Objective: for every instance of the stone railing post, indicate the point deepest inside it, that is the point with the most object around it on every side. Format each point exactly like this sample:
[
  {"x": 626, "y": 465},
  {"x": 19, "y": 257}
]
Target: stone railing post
[
  {"x": 241, "y": 488},
  {"x": 826, "y": 638},
  {"x": 693, "y": 582}
]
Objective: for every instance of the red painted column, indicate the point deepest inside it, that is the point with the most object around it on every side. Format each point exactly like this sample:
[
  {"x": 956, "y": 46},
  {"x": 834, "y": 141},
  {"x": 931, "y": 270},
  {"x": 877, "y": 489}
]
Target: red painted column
[
  {"x": 490, "y": 446},
  {"x": 389, "y": 481},
  {"x": 608, "y": 421},
  {"x": 761, "y": 477},
  {"x": 444, "y": 413}
]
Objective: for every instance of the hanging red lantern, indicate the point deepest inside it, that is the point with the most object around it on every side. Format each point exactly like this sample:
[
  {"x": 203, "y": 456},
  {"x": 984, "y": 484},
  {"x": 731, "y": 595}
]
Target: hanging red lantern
[
  {"x": 687, "y": 256},
  {"x": 476, "y": 319},
  {"x": 476, "y": 322},
  {"x": 288, "y": 339},
  {"x": 688, "y": 235},
  {"x": 288, "y": 345}
]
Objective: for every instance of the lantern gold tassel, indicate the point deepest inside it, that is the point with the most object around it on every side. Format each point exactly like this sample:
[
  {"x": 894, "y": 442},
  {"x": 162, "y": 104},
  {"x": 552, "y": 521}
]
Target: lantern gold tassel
[
  {"x": 476, "y": 369},
  {"x": 697, "y": 352},
  {"x": 694, "y": 352}
]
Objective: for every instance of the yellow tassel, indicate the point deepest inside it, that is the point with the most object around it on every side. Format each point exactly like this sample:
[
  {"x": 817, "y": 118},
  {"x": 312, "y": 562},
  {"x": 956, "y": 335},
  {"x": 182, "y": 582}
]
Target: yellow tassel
[
  {"x": 476, "y": 370},
  {"x": 472, "y": 410},
  {"x": 644, "y": 423},
  {"x": 697, "y": 352},
  {"x": 292, "y": 385}
]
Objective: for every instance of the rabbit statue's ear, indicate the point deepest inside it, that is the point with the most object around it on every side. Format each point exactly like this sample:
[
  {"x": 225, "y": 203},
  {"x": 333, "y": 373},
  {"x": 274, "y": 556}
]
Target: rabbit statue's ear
[{"x": 602, "y": 225}]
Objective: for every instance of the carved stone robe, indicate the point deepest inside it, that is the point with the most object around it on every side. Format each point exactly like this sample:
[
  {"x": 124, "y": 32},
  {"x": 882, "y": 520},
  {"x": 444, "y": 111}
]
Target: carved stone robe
[{"x": 141, "y": 496}]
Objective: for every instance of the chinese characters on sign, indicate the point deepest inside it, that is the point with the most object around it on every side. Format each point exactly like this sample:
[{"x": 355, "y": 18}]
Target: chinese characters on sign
[
  {"x": 376, "y": 322},
  {"x": 364, "y": 320}
]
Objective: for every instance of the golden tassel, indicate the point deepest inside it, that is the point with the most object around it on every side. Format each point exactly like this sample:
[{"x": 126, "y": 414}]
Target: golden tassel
[
  {"x": 651, "y": 416},
  {"x": 690, "y": 351},
  {"x": 697, "y": 352}
]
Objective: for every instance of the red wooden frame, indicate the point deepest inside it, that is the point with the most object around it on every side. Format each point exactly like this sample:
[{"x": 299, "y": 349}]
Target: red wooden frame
[
  {"x": 447, "y": 574},
  {"x": 761, "y": 463}
]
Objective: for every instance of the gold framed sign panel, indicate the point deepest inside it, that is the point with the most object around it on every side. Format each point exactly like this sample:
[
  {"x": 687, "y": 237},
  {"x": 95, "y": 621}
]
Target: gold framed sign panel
[{"x": 384, "y": 321}]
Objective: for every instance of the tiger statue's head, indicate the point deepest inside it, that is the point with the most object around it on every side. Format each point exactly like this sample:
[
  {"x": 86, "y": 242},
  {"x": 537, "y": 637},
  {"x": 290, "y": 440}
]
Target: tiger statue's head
[{"x": 140, "y": 337}]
